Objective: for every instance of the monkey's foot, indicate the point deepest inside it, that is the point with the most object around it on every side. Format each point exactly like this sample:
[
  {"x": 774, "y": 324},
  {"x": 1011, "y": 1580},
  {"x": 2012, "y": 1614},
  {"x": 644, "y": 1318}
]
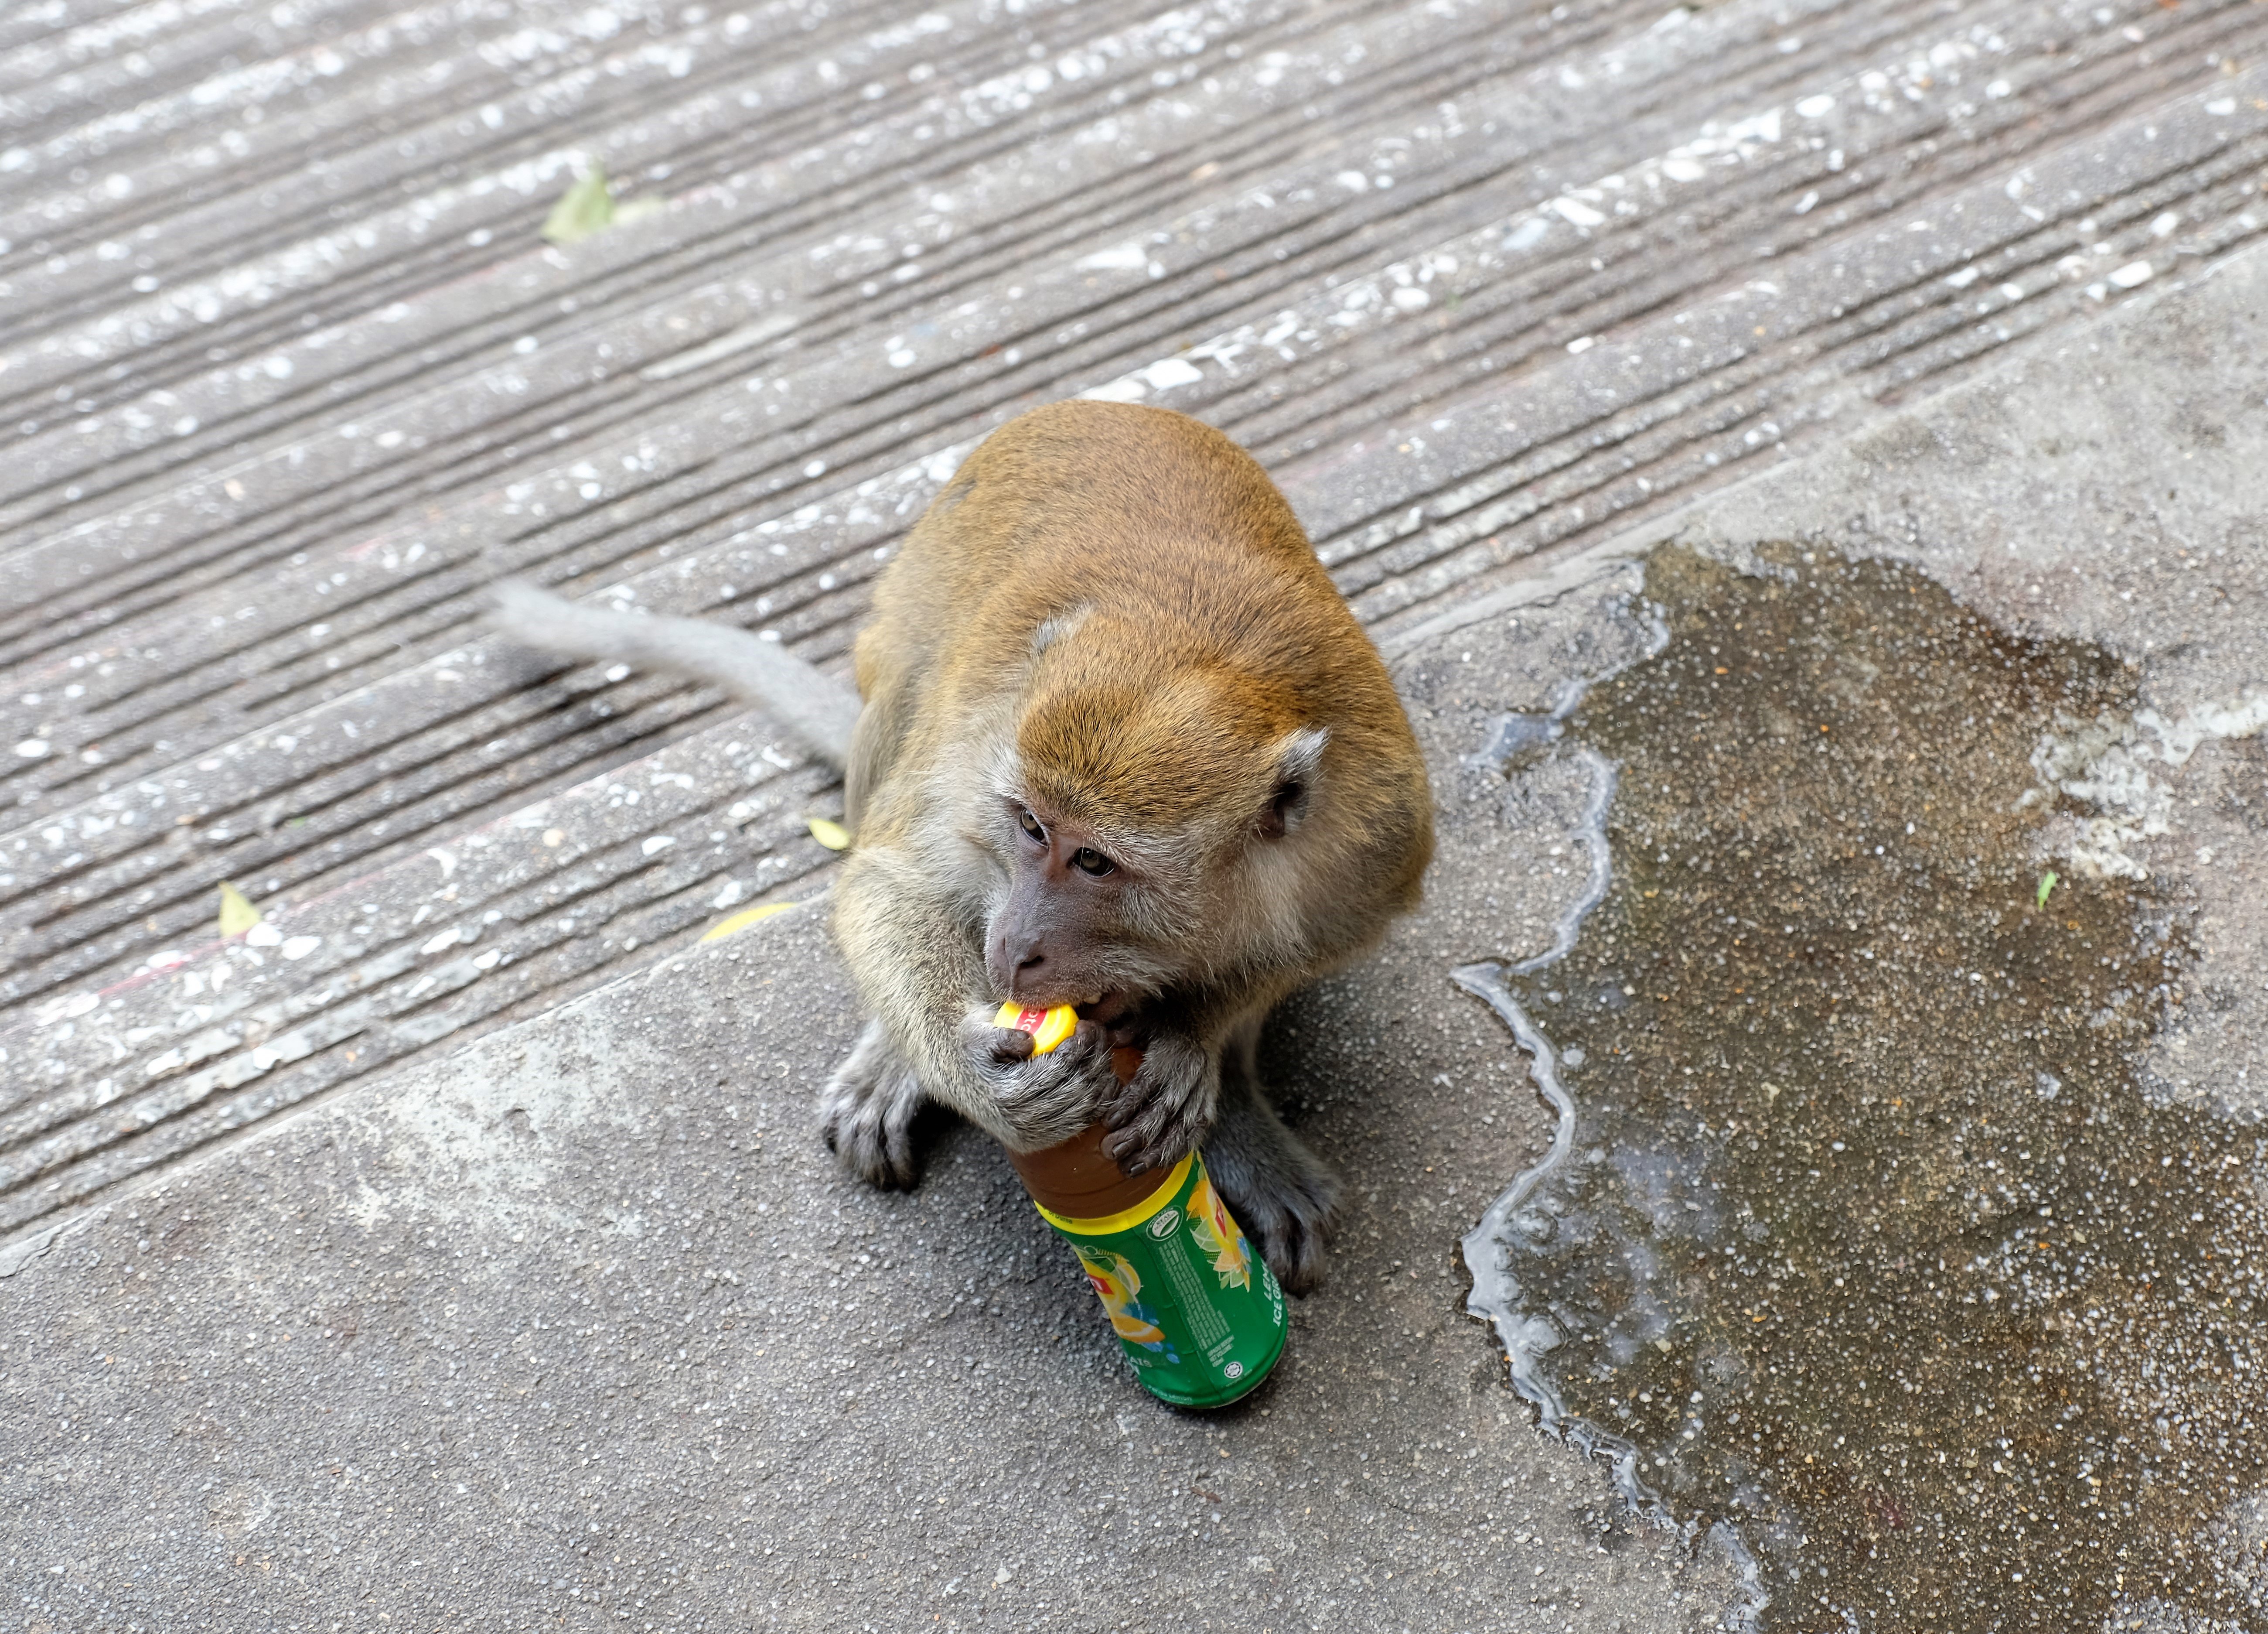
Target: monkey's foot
[
  {"x": 1282, "y": 1194},
  {"x": 866, "y": 1112},
  {"x": 1166, "y": 1109}
]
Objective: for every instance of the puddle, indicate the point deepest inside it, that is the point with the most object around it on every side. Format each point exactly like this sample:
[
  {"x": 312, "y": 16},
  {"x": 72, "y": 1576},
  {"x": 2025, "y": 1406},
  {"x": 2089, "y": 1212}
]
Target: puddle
[{"x": 1859, "y": 1240}]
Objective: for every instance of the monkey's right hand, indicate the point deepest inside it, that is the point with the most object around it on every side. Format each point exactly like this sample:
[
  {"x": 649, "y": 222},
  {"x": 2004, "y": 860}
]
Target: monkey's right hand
[
  {"x": 1167, "y": 1107},
  {"x": 1041, "y": 1098}
]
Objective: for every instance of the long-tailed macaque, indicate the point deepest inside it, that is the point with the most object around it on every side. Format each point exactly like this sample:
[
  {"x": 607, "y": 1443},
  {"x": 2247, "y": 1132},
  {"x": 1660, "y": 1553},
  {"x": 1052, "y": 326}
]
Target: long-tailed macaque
[{"x": 1121, "y": 746}]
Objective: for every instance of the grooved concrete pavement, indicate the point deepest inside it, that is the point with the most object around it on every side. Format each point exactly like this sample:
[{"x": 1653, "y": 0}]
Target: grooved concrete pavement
[
  {"x": 575, "y": 1328},
  {"x": 288, "y": 376}
]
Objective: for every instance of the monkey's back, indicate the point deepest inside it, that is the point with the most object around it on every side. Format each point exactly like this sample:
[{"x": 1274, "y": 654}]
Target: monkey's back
[{"x": 1177, "y": 515}]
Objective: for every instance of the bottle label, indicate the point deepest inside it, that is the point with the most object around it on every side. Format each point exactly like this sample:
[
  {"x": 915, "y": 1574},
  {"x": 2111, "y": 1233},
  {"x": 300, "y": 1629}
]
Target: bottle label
[{"x": 1196, "y": 1308}]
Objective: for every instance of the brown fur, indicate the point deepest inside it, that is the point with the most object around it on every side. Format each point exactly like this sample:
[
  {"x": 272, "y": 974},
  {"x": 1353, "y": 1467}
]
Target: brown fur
[{"x": 1111, "y": 616}]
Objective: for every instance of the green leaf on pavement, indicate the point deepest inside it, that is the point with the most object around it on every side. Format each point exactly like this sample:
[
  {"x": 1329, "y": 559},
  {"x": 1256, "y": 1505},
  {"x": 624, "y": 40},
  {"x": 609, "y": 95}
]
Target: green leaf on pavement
[
  {"x": 2048, "y": 882},
  {"x": 586, "y": 208}
]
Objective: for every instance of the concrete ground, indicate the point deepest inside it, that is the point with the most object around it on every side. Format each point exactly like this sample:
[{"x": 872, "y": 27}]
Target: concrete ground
[
  {"x": 576, "y": 1327},
  {"x": 453, "y": 1252}
]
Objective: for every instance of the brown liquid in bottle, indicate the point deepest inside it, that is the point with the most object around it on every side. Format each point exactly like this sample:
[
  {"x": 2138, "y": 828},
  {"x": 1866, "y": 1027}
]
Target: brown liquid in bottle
[{"x": 1074, "y": 1178}]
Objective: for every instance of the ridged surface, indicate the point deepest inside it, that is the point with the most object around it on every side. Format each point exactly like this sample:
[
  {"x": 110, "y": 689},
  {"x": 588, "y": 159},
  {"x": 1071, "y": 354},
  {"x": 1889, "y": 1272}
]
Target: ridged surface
[{"x": 290, "y": 376}]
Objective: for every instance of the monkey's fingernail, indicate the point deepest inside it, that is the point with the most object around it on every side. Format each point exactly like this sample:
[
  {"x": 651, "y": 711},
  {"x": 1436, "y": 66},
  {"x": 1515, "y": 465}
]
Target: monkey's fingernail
[{"x": 1012, "y": 1046}]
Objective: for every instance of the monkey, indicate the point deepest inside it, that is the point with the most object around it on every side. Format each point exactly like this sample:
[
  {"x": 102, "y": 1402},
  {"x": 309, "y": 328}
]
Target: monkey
[{"x": 1118, "y": 743}]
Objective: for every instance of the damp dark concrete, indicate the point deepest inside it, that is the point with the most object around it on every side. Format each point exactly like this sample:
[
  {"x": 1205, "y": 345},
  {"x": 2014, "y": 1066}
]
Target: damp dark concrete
[{"x": 1866, "y": 1243}]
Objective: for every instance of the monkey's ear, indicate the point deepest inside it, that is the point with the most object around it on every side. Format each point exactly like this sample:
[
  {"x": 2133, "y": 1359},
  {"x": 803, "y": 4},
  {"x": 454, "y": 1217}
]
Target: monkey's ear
[{"x": 1299, "y": 764}]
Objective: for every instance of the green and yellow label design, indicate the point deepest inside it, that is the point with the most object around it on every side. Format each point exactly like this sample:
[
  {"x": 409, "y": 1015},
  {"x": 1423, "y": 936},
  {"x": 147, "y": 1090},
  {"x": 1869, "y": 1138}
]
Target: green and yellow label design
[{"x": 1197, "y": 1313}]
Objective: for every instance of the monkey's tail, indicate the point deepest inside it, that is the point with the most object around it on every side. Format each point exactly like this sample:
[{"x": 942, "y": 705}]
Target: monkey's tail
[{"x": 819, "y": 710}]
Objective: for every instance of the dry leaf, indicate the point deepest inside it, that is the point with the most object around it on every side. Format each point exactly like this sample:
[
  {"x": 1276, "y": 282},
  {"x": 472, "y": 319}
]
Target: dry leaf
[
  {"x": 237, "y": 913},
  {"x": 742, "y": 921}
]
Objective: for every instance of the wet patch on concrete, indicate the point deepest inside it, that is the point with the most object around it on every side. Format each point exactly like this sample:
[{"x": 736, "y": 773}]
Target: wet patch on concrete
[{"x": 1865, "y": 1242}]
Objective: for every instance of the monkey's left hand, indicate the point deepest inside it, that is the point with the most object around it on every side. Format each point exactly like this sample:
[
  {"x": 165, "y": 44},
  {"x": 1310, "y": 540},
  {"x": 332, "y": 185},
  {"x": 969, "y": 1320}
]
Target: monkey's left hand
[{"x": 1167, "y": 1107}]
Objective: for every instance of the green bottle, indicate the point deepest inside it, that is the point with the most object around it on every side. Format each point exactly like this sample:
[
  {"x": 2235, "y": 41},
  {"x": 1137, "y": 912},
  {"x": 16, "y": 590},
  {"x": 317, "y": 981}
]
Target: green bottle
[{"x": 1197, "y": 1310}]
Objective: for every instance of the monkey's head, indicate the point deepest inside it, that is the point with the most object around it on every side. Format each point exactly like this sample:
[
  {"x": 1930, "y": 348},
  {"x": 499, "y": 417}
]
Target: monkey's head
[{"x": 1150, "y": 834}]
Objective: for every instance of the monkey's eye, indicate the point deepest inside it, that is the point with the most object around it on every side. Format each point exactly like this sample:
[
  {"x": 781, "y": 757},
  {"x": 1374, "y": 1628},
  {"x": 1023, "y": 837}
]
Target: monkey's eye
[
  {"x": 1031, "y": 826},
  {"x": 1088, "y": 860}
]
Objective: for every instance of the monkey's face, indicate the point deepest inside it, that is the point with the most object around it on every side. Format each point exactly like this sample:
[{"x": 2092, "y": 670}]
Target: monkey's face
[
  {"x": 1068, "y": 930},
  {"x": 1149, "y": 833}
]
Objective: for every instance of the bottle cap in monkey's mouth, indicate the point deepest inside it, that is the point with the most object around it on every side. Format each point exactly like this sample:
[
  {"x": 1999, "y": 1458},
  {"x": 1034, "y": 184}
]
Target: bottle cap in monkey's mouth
[{"x": 1048, "y": 1027}]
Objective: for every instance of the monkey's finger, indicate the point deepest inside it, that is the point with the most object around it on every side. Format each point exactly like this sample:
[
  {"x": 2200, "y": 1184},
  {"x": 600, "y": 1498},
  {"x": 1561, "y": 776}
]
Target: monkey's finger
[
  {"x": 1075, "y": 1060},
  {"x": 1150, "y": 1144},
  {"x": 1160, "y": 1114},
  {"x": 1079, "y": 1067},
  {"x": 1147, "y": 1101},
  {"x": 1125, "y": 1149},
  {"x": 991, "y": 1045},
  {"x": 1087, "y": 1040},
  {"x": 1009, "y": 1045},
  {"x": 1149, "y": 1128}
]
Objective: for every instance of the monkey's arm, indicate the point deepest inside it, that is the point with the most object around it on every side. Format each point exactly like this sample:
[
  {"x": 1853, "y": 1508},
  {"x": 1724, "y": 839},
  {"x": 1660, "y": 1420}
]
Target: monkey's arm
[
  {"x": 915, "y": 954},
  {"x": 819, "y": 710}
]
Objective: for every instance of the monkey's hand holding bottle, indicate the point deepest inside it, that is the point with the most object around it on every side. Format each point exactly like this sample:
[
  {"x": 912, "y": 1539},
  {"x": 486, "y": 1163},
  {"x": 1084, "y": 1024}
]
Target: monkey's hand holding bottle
[
  {"x": 1196, "y": 1308},
  {"x": 1164, "y": 1108},
  {"x": 1042, "y": 1095}
]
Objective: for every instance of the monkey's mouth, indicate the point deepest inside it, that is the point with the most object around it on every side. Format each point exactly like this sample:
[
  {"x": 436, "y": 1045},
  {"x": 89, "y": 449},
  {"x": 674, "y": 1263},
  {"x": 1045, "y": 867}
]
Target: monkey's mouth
[{"x": 1115, "y": 1011}]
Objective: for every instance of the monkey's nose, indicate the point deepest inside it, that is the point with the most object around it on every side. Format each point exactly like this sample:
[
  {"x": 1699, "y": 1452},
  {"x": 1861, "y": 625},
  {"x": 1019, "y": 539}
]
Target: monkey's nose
[
  {"x": 1029, "y": 959},
  {"x": 1015, "y": 961}
]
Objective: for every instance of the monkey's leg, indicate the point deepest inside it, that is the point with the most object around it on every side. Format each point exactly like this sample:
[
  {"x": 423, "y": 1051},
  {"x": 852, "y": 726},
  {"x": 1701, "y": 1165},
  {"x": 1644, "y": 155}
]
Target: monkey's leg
[
  {"x": 866, "y": 1110},
  {"x": 1281, "y": 1193}
]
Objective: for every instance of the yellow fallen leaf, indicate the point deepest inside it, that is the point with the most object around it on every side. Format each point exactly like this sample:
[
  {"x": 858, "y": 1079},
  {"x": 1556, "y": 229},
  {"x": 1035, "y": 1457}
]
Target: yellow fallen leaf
[
  {"x": 742, "y": 921},
  {"x": 834, "y": 836},
  {"x": 237, "y": 913}
]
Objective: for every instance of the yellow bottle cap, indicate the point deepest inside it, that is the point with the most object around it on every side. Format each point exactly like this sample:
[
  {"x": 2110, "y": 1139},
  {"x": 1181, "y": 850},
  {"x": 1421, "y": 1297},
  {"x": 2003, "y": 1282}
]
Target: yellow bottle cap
[{"x": 1048, "y": 1027}]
